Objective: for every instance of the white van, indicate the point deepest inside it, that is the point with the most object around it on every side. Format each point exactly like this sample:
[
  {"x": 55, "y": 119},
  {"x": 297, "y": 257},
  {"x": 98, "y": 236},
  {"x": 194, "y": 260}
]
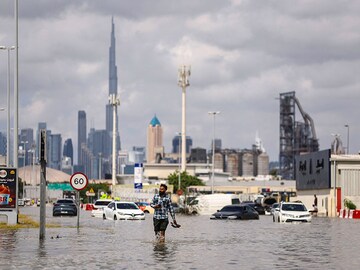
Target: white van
[{"x": 209, "y": 204}]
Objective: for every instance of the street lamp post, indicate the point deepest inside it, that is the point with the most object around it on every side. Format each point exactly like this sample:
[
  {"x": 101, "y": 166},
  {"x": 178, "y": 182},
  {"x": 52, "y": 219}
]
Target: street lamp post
[
  {"x": 213, "y": 153},
  {"x": 114, "y": 102},
  {"x": 183, "y": 82},
  {"x": 179, "y": 180},
  {"x": 8, "y": 104},
  {"x": 348, "y": 138}
]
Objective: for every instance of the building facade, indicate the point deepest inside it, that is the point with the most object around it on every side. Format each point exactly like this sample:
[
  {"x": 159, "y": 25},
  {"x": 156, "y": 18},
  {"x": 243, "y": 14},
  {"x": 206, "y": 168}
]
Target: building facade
[
  {"x": 154, "y": 140},
  {"x": 81, "y": 134}
]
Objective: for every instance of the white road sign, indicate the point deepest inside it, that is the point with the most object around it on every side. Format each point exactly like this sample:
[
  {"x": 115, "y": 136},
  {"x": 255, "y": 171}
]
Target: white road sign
[{"x": 79, "y": 181}]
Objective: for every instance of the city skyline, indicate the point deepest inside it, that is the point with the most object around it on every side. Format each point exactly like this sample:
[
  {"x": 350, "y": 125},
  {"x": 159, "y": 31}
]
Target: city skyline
[{"x": 239, "y": 64}]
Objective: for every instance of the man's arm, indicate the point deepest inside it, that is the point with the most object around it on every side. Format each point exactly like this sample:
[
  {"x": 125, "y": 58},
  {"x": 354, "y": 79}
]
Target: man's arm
[
  {"x": 154, "y": 202},
  {"x": 171, "y": 210}
]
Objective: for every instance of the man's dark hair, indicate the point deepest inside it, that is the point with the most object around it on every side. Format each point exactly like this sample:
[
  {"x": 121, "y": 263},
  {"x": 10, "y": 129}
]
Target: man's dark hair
[{"x": 163, "y": 185}]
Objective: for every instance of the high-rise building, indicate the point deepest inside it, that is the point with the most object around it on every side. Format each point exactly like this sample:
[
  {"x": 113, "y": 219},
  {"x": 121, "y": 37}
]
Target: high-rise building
[
  {"x": 99, "y": 142},
  {"x": 68, "y": 150},
  {"x": 55, "y": 153},
  {"x": 176, "y": 144},
  {"x": 26, "y": 144},
  {"x": 81, "y": 134},
  {"x": 113, "y": 83},
  {"x": 137, "y": 155},
  {"x": 198, "y": 155},
  {"x": 154, "y": 141},
  {"x": 218, "y": 145}
]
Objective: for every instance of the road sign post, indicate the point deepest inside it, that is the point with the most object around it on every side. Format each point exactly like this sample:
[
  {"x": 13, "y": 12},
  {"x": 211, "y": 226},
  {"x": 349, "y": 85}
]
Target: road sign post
[{"x": 78, "y": 181}]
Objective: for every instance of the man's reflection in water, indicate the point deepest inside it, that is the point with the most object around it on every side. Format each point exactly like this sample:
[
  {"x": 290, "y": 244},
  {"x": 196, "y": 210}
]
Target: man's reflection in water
[{"x": 164, "y": 252}]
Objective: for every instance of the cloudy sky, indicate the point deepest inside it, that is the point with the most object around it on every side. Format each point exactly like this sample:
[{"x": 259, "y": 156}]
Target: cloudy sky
[{"x": 243, "y": 54}]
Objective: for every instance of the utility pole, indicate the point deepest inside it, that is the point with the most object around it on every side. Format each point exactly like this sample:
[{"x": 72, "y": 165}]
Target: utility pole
[
  {"x": 42, "y": 152},
  {"x": 183, "y": 82},
  {"x": 114, "y": 102}
]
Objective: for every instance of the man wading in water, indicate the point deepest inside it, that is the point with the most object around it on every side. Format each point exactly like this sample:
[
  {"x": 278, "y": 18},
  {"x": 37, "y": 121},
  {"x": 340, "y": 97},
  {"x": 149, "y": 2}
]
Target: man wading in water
[{"x": 162, "y": 205}]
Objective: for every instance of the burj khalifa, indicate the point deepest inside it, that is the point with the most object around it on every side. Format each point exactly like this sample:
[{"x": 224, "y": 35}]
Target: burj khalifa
[{"x": 113, "y": 84}]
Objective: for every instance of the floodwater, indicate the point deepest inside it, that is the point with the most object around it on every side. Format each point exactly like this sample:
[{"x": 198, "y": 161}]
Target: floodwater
[{"x": 200, "y": 243}]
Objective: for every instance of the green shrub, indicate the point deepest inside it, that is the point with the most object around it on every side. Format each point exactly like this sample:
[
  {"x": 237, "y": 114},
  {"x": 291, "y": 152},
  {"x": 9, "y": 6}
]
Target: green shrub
[{"x": 349, "y": 204}]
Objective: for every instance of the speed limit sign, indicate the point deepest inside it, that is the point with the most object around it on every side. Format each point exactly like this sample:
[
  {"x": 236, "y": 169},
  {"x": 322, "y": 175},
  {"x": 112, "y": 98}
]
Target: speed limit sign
[{"x": 79, "y": 181}]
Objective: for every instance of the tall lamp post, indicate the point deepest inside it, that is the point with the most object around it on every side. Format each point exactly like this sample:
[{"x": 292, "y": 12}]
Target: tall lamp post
[
  {"x": 114, "y": 102},
  {"x": 183, "y": 82},
  {"x": 348, "y": 138},
  {"x": 179, "y": 180},
  {"x": 213, "y": 153},
  {"x": 8, "y": 105}
]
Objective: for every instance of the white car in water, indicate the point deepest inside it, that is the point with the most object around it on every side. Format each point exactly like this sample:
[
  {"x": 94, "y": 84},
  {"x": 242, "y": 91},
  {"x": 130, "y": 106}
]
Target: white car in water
[
  {"x": 291, "y": 212},
  {"x": 123, "y": 211},
  {"x": 98, "y": 208}
]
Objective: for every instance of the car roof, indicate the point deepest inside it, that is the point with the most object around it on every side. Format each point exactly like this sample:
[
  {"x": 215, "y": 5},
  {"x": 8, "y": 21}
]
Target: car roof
[
  {"x": 122, "y": 202},
  {"x": 291, "y": 203}
]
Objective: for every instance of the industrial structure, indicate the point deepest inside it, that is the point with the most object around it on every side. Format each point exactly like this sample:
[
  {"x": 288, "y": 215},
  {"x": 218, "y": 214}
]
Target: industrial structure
[{"x": 295, "y": 137}]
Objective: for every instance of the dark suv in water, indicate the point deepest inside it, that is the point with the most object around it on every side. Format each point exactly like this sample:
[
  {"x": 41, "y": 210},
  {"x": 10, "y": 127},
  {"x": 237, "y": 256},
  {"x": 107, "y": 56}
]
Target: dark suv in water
[{"x": 64, "y": 207}]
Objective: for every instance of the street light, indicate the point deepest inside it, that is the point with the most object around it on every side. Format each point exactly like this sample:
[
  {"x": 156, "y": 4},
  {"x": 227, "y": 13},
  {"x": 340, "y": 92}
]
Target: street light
[
  {"x": 179, "y": 181},
  {"x": 8, "y": 105},
  {"x": 213, "y": 153},
  {"x": 183, "y": 81},
  {"x": 114, "y": 102},
  {"x": 348, "y": 138}
]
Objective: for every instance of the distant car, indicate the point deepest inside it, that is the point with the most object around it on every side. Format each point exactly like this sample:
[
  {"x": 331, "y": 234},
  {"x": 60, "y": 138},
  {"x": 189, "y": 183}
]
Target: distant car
[
  {"x": 98, "y": 208},
  {"x": 292, "y": 212},
  {"x": 257, "y": 207},
  {"x": 236, "y": 212},
  {"x": 177, "y": 208},
  {"x": 123, "y": 211},
  {"x": 65, "y": 207},
  {"x": 273, "y": 208},
  {"x": 145, "y": 207}
]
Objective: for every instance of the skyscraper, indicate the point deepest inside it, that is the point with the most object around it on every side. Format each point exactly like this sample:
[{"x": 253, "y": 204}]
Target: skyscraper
[
  {"x": 81, "y": 134},
  {"x": 55, "y": 151},
  {"x": 113, "y": 83},
  {"x": 68, "y": 150},
  {"x": 175, "y": 144},
  {"x": 155, "y": 147},
  {"x": 26, "y": 142}
]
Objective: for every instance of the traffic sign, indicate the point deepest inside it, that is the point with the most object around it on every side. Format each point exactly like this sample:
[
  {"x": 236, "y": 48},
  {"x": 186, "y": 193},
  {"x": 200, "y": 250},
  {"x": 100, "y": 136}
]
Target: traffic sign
[
  {"x": 90, "y": 194},
  {"x": 79, "y": 181}
]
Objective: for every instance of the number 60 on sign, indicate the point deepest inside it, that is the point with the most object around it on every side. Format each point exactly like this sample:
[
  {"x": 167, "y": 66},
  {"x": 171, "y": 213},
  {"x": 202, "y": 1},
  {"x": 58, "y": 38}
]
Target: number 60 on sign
[{"x": 79, "y": 181}]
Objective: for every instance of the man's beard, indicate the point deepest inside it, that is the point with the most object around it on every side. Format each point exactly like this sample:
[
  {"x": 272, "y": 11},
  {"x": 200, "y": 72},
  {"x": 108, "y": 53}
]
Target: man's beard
[{"x": 161, "y": 193}]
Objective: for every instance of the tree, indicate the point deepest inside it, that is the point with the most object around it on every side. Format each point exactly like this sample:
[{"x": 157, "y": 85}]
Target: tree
[{"x": 186, "y": 181}]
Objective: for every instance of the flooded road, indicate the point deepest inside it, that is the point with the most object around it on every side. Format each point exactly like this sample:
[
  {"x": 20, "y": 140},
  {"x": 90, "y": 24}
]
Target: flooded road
[{"x": 201, "y": 243}]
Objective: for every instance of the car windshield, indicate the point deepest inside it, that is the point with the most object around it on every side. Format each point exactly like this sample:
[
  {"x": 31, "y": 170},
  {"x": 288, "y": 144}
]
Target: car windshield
[
  {"x": 231, "y": 209},
  {"x": 126, "y": 206},
  {"x": 293, "y": 207},
  {"x": 275, "y": 205},
  {"x": 102, "y": 203}
]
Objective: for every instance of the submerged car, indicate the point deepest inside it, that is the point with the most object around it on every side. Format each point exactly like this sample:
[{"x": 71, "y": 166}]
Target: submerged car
[
  {"x": 236, "y": 212},
  {"x": 65, "y": 207},
  {"x": 256, "y": 206},
  {"x": 273, "y": 208},
  {"x": 145, "y": 207},
  {"x": 291, "y": 212},
  {"x": 98, "y": 208},
  {"x": 123, "y": 211}
]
